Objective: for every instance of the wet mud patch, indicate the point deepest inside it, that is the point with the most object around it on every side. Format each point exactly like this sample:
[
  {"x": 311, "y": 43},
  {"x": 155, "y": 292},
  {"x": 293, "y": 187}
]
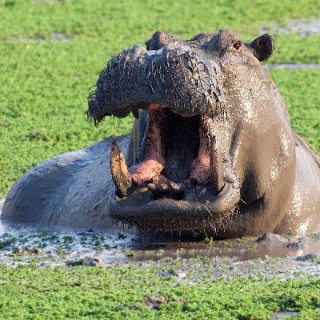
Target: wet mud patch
[
  {"x": 292, "y": 66},
  {"x": 271, "y": 255},
  {"x": 54, "y": 37},
  {"x": 302, "y": 28}
]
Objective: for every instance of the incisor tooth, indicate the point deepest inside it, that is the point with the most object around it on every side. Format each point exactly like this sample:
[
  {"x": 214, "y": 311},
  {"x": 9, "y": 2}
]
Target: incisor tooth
[{"x": 119, "y": 170}]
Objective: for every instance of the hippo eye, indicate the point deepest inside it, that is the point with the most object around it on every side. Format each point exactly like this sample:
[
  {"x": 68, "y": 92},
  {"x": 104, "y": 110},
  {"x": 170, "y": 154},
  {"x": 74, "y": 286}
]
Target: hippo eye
[{"x": 237, "y": 44}]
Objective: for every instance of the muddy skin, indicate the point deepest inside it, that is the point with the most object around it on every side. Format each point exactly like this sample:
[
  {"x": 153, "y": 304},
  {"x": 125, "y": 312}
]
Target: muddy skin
[{"x": 211, "y": 153}]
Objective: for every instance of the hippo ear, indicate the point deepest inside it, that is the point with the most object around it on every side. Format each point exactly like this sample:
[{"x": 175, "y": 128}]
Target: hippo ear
[
  {"x": 262, "y": 47},
  {"x": 158, "y": 40}
]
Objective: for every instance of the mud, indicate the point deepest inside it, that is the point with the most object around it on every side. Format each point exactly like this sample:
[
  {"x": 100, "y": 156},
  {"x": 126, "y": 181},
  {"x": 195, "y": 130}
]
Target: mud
[
  {"x": 54, "y": 37},
  {"x": 269, "y": 256},
  {"x": 301, "y": 28},
  {"x": 289, "y": 66}
]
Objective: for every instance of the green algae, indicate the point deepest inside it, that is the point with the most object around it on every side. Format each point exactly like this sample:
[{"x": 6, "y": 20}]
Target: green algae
[
  {"x": 52, "y": 52},
  {"x": 148, "y": 293}
]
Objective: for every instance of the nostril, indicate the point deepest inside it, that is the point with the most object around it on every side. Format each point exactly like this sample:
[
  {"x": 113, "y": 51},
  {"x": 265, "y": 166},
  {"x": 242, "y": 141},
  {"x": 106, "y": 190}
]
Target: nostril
[{"x": 237, "y": 44}]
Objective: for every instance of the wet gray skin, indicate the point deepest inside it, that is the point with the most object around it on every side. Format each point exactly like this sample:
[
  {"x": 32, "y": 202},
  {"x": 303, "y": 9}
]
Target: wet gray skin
[{"x": 211, "y": 152}]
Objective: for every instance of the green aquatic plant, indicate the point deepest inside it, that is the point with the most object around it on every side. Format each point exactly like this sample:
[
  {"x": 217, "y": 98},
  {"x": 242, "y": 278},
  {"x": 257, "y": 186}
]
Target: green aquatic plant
[{"x": 49, "y": 62}]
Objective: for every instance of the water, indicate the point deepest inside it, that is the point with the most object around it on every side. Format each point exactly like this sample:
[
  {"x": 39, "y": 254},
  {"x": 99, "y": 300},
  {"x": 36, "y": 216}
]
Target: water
[
  {"x": 301, "y": 27},
  {"x": 65, "y": 244},
  {"x": 290, "y": 66}
]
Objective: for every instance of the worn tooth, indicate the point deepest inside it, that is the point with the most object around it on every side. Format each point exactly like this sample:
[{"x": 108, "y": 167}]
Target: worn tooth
[
  {"x": 170, "y": 189},
  {"x": 158, "y": 190},
  {"x": 163, "y": 187},
  {"x": 216, "y": 173},
  {"x": 175, "y": 188},
  {"x": 151, "y": 186},
  {"x": 140, "y": 190},
  {"x": 119, "y": 170}
]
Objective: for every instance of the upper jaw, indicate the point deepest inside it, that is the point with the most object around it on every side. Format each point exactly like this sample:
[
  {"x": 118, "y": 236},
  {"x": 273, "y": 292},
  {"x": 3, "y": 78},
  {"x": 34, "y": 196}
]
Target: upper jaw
[{"x": 180, "y": 77}]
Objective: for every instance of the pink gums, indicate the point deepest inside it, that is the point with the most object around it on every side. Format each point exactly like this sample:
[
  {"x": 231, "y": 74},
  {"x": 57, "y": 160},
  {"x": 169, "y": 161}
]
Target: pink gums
[
  {"x": 150, "y": 169},
  {"x": 146, "y": 171}
]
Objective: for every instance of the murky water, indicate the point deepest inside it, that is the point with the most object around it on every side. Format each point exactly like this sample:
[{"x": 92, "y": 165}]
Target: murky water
[
  {"x": 58, "y": 246},
  {"x": 302, "y": 66},
  {"x": 54, "y": 37},
  {"x": 299, "y": 27}
]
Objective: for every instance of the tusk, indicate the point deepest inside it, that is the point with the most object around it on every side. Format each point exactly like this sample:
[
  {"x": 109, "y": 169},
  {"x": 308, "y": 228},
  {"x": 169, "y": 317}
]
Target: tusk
[
  {"x": 119, "y": 170},
  {"x": 216, "y": 172},
  {"x": 135, "y": 140}
]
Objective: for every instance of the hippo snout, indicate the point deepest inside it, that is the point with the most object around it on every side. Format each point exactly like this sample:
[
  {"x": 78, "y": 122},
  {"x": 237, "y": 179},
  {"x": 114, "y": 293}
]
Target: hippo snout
[{"x": 179, "y": 76}]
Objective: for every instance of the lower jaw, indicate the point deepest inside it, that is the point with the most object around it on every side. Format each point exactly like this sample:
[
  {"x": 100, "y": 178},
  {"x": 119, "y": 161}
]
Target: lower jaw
[{"x": 167, "y": 214}]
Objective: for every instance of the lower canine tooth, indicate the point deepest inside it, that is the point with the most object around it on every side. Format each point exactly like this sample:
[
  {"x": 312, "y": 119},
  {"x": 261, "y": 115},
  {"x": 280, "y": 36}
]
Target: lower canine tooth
[
  {"x": 119, "y": 170},
  {"x": 216, "y": 172}
]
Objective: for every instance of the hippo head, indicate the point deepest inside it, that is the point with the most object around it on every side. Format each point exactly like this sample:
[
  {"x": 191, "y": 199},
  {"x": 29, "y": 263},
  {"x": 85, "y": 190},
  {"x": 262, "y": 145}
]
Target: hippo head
[{"x": 202, "y": 151}]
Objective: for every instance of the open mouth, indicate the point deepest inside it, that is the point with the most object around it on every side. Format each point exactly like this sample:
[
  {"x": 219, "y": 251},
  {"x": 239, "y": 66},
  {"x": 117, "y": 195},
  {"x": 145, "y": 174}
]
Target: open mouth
[{"x": 179, "y": 176}]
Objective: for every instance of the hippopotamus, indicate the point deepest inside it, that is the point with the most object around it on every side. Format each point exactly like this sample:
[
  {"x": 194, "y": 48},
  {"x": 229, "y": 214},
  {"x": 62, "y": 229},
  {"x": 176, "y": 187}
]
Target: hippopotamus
[{"x": 211, "y": 152}]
